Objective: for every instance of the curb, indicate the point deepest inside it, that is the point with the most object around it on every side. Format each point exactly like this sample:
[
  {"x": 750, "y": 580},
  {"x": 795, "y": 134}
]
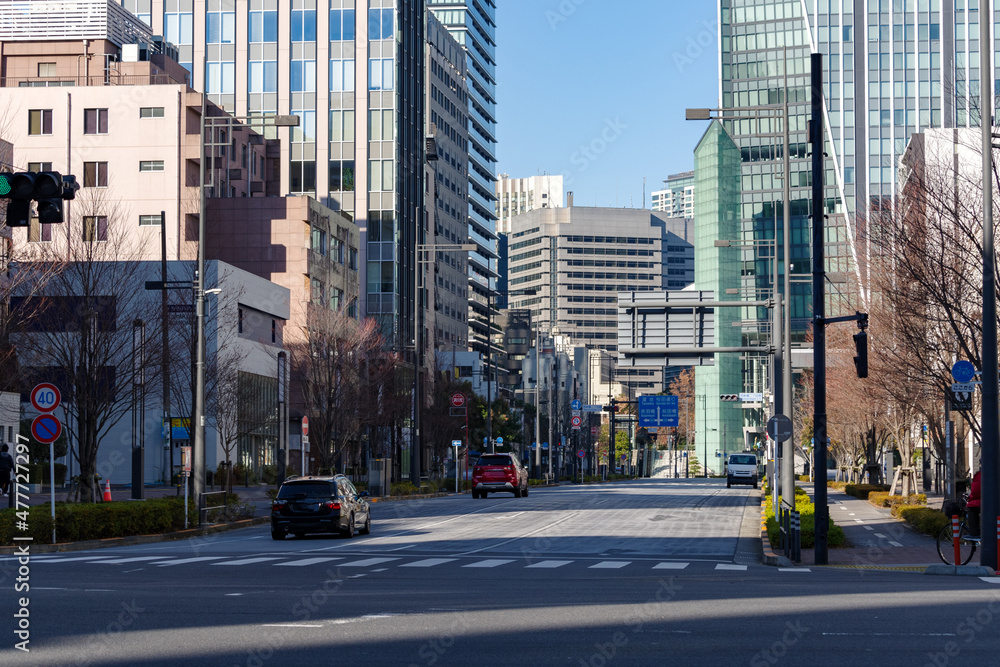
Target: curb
[
  {"x": 135, "y": 539},
  {"x": 960, "y": 570},
  {"x": 769, "y": 557}
]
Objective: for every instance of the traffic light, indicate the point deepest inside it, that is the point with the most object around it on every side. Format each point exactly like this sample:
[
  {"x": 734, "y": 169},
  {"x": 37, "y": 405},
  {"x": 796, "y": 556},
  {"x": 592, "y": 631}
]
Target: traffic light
[
  {"x": 861, "y": 359},
  {"x": 48, "y": 188},
  {"x": 729, "y": 397}
]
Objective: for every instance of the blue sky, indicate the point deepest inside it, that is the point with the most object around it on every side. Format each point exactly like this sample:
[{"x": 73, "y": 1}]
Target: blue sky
[{"x": 596, "y": 90}]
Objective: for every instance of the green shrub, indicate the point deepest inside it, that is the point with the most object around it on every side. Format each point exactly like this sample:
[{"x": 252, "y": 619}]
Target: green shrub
[
  {"x": 923, "y": 519},
  {"x": 75, "y": 522},
  {"x": 836, "y": 486},
  {"x": 861, "y": 491},
  {"x": 403, "y": 489},
  {"x": 807, "y": 525},
  {"x": 803, "y": 478}
]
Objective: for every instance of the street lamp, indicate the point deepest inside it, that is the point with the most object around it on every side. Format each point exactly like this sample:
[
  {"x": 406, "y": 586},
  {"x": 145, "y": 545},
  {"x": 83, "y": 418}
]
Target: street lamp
[
  {"x": 773, "y": 111},
  {"x": 424, "y": 256},
  {"x": 216, "y": 122}
]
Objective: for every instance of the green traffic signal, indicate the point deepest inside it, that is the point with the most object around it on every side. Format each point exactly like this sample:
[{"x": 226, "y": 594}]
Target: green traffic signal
[{"x": 5, "y": 184}]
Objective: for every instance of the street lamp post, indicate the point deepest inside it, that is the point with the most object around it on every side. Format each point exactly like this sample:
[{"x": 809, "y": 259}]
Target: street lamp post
[{"x": 227, "y": 121}]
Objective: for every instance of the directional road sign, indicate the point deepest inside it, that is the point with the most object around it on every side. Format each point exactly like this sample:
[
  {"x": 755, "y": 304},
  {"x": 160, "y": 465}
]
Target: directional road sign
[
  {"x": 658, "y": 411},
  {"x": 593, "y": 408},
  {"x": 45, "y": 428},
  {"x": 45, "y": 397},
  {"x": 575, "y": 404}
]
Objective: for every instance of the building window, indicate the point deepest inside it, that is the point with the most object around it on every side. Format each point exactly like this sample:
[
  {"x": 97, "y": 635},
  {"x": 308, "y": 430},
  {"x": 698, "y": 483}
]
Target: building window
[
  {"x": 239, "y": 320},
  {"x": 39, "y": 166},
  {"x": 151, "y": 112},
  {"x": 149, "y": 220},
  {"x": 381, "y": 74},
  {"x": 353, "y": 255},
  {"x": 220, "y": 27},
  {"x": 304, "y": 25},
  {"x": 341, "y": 25},
  {"x": 40, "y": 121},
  {"x": 263, "y": 76},
  {"x": 95, "y": 121},
  {"x": 352, "y": 309},
  {"x": 336, "y": 299},
  {"x": 303, "y": 76},
  {"x": 221, "y": 78},
  {"x": 37, "y": 232},
  {"x": 342, "y": 175},
  {"x": 341, "y": 76},
  {"x": 274, "y": 331},
  {"x": 95, "y": 174},
  {"x": 380, "y": 24},
  {"x": 150, "y": 165},
  {"x": 46, "y": 69},
  {"x": 263, "y": 26},
  {"x": 95, "y": 228}
]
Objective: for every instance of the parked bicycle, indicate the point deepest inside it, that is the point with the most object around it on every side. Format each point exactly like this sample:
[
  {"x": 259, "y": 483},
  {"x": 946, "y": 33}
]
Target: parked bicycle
[{"x": 966, "y": 543}]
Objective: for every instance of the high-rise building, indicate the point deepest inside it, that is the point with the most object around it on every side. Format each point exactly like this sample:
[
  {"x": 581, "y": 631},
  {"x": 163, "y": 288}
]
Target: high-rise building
[
  {"x": 519, "y": 195},
  {"x": 352, "y": 71},
  {"x": 446, "y": 116},
  {"x": 677, "y": 196},
  {"x": 473, "y": 24}
]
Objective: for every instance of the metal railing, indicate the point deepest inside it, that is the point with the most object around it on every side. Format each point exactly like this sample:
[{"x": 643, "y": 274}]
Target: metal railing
[
  {"x": 203, "y": 518},
  {"x": 109, "y": 79}
]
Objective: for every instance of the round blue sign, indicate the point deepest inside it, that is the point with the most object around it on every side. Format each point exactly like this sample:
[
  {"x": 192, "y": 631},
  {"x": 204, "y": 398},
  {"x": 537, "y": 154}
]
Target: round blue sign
[
  {"x": 575, "y": 404},
  {"x": 963, "y": 371}
]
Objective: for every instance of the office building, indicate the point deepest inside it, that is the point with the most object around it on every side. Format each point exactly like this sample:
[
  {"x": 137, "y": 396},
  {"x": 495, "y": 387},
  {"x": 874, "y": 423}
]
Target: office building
[
  {"x": 519, "y": 195},
  {"x": 677, "y": 196},
  {"x": 353, "y": 73},
  {"x": 473, "y": 24},
  {"x": 446, "y": 116}
]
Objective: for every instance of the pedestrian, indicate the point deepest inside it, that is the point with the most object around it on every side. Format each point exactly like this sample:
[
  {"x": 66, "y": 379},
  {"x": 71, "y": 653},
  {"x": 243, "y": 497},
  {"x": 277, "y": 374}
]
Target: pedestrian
[
  {"x": 6, "y": 470},
  {"x": 973, "y": 506}
]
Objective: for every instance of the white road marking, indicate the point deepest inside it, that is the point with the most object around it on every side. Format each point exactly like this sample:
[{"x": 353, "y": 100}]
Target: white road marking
[
  {"x": 405, "y": 546},
  {"x": 794, "y": 569},
  {"x": 66, "y": 560},
  {"x": 183, "y": 561},
  {"x": 493, "y": 562},
  {"x": 859, "y": 520},
  {"x": 610, "y": 565},
  {"x": 367, "y": 562},
  {"x": 131, "y": 560},
  {"x": 991, "y": 580},
  {"x": 247, "y": 561},
  {"x": 670, "y": 566},
  {"x": 428, "y": 562},
  {"x": 548, "y": 564},
  {"x": 291, "y": 625},
  {"x": 895, "y": 544},
  {"x": 730, "y": 566},
  {"x": 881, "y": 536},
  {"x": 868, "y": 528},
  {"x": 850, "y": 514},
  {"x": 307, "y": 561}
]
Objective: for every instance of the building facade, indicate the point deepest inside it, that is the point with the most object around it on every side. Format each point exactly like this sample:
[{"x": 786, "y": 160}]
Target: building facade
[
  {"x": 352, "y": 72},
  {"x": 677, "y": 196},
  {"x": 519, "y": 195},
  {"x": 446, "y": 117},
  {"x": 473, "y": 24}
]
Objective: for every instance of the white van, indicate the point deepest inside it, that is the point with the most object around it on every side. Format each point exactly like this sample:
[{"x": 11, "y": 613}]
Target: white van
[{"x": 741, "y": 469}]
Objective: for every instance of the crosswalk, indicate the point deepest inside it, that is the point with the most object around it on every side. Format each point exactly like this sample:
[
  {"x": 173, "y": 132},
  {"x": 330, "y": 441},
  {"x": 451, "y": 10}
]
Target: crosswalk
[{"x": 370, "y": 562}]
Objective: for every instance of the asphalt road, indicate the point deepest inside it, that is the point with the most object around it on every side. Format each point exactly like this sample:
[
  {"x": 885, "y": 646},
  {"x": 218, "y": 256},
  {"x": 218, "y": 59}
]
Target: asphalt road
[{"x": 652, "y": 572}]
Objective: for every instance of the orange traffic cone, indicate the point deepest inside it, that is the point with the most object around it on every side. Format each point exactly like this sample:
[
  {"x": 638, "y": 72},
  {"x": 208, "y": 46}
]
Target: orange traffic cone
[{"x": 107, "y": 492}]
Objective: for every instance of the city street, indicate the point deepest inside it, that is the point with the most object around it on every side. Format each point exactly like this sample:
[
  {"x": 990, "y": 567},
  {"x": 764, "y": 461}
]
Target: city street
[{"x": 647, "y": 572}]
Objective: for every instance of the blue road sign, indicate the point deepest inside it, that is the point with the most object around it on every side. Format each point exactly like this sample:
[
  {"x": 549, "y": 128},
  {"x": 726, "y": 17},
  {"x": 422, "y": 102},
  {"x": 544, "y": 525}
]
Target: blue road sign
[
  {"x": 658, "y": 411},
  {"x": 499, "y": 440},
  {"x": 575, "y": 404},
  {"x": 963, "y": 371}
]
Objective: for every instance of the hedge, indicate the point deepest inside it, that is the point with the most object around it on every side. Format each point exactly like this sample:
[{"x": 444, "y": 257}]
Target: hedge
[
  {"x": 861, "y": 491},
  {"x": 883, "y": 499},
  {"x": 923, "y": 519},
  {"x": 807, "y": 524},
  {"x": 75, "y": 522}
]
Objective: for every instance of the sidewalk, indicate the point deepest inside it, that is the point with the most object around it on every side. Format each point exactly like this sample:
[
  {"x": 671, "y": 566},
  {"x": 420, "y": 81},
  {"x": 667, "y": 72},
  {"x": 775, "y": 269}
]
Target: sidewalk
[
  {"x": 256, "y": 494},
  {"x": 876, "y": 539}
]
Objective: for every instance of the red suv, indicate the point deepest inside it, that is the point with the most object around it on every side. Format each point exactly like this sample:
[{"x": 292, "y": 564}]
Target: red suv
[{"x": 499, "y": 472}]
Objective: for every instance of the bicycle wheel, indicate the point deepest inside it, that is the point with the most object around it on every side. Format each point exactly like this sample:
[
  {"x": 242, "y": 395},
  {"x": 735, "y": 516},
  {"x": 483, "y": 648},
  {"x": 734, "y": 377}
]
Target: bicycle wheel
[{"x": 946, "y": 546}]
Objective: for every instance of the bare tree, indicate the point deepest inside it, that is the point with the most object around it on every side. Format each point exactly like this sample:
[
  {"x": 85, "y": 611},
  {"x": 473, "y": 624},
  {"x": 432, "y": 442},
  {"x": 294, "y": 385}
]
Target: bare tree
[{"x": 79, "y": 329}]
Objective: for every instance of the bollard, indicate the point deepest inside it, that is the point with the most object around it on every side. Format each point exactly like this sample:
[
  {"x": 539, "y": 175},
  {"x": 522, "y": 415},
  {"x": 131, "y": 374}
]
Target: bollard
[
  {"x": 954, "y": 537},
  {"x": 796, "y": 537}
]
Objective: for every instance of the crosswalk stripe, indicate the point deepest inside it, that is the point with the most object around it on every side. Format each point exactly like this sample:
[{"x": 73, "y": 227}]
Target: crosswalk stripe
[
  {"x": 610, "y": 565},
  {"x": 185, "y": 561},
  {"x": 670, "y": 566},
  {"x": 549, "y": 564},
  {"x": 730, "y": 566},
  {"x": 794, "y": 569},
  {"x": 305, "y": 561},
  {"x": 247, "y": 561},
  {"x": 66, "y": 560},
  {"x": 131, "y": 560},
  {"x": 428, "y": 562},
  {"x": 894, "y": 543},
  {"x": 367, "y": 562},
  {"x": 494, "y": 562}
]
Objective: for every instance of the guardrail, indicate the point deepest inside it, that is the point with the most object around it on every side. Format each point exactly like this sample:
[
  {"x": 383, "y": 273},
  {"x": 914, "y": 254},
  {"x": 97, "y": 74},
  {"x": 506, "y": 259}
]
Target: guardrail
[{"x": 203, "y": 519}]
